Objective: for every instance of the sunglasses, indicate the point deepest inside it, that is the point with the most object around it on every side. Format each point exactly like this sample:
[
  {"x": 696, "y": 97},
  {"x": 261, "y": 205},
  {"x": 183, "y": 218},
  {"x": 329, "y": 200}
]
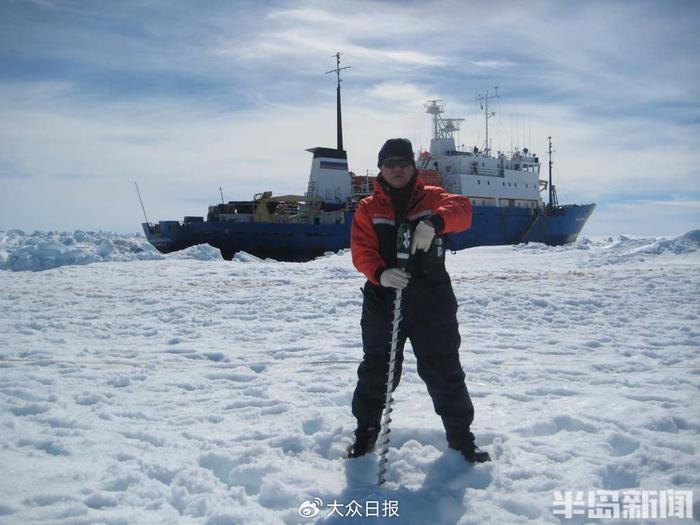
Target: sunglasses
[{"x": 396, "y": 163}]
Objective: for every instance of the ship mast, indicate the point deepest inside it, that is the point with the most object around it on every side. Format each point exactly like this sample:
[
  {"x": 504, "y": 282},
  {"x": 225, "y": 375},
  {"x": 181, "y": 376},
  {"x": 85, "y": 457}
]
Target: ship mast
[
  {"x": 484, "y": 100},
  {"x": 553, "y": 201},
  {"x": 337, "y": 71},
  {"x": 442, "y": 127}
]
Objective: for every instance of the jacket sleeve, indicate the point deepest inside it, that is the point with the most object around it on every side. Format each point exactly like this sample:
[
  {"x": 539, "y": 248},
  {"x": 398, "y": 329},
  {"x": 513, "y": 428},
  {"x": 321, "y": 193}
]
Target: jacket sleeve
[
  {"x": 454, "y": 212},
  {"x": 364, "y": 245}
]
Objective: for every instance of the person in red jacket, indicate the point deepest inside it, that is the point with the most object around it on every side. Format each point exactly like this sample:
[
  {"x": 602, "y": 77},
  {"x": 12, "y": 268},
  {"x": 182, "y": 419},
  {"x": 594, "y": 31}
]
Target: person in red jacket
[{"x": 429, "y": 306}]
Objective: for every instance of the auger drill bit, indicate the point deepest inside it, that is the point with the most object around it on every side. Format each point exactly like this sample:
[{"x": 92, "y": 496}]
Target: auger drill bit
[{"x": 403, "y": 244}]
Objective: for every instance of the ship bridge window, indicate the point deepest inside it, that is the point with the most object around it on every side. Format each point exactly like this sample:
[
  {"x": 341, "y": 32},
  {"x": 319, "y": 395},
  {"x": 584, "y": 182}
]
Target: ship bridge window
[
  {"x": 478, "y": 182},
  {"x": 509, "y": 184},
  {"x": 488, "y": 182}
]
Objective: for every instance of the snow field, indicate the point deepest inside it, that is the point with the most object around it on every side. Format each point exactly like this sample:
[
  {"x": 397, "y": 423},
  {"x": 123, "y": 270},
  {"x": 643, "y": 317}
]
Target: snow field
[{"x": 185, "y": 390}]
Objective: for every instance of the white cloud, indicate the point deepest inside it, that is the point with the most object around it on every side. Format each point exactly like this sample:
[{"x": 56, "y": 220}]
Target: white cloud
[
  {"x": 306, "y": 46},
  {"x": 403, "y": 93},
  {"x": 492, "y": 64},
  {"x": 306, "y": 32}
]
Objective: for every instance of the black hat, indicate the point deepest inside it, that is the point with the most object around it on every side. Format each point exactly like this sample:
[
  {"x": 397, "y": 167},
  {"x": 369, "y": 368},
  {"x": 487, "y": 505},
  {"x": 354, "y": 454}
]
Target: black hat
[{"x": 396, "y": 148}]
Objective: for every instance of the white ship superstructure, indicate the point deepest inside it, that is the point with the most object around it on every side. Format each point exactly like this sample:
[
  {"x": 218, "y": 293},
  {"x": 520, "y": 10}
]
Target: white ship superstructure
[{"x": 506, "y": 180}]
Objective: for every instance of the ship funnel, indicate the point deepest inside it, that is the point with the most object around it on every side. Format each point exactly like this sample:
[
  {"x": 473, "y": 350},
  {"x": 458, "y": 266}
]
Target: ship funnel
[{"x": 329, "y": 179}]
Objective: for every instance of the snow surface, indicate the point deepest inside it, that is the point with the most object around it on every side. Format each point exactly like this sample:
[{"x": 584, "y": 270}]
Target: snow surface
[{"x": 188, "y": 389}]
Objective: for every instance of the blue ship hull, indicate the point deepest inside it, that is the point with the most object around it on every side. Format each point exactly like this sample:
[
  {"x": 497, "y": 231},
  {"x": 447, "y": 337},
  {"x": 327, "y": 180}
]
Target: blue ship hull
[
  {"x": 492, "y": 226},
  {"x": 302, "y": 242}
]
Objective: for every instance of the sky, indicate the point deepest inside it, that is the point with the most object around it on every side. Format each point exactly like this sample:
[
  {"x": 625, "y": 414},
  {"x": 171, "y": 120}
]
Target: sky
[{"x": 189, "y": 97}]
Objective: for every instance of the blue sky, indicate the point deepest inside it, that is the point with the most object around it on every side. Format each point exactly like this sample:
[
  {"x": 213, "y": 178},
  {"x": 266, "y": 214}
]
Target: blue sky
[{"x": 187, "y": 97}]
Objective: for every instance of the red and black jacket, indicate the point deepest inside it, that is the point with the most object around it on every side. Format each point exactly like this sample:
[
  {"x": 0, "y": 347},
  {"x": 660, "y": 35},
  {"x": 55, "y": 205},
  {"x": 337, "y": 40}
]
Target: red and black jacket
[{"x": 373, "y": 237}]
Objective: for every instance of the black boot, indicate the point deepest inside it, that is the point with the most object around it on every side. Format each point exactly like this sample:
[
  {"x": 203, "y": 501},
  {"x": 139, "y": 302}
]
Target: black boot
[
  {"x": 470, "y": 451},
  {"x": 364, "y": 442}
]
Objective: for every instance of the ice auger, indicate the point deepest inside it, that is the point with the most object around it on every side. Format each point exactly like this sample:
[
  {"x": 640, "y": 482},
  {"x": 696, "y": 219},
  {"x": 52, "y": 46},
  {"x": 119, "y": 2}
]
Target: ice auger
[{"x": 403, "y": 246}]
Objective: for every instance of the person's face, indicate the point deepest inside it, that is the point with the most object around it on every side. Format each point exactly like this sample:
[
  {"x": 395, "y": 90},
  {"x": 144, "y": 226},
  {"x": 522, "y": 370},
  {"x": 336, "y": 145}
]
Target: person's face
[{"x": 397, "y": 171}]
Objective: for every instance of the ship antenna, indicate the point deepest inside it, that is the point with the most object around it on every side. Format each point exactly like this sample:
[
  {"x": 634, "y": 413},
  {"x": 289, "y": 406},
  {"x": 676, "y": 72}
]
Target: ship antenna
[
  {"x": 337, "y": 71},
  {"x": 222, "y": 195},
  {"x": 484, "y": 101},
  {"x": 550, "y": 172},
  {"x": 141, "y": 201}
]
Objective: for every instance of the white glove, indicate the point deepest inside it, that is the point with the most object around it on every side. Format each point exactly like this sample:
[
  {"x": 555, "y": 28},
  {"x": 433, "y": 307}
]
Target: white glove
[
  {"x": 422, "y": 237},
  {"x": 394, "y": 278}
]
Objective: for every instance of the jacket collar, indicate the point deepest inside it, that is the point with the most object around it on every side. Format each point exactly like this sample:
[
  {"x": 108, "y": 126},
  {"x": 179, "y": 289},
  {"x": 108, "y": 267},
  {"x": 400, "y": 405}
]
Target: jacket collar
[{"x": 381, "y": 192}]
